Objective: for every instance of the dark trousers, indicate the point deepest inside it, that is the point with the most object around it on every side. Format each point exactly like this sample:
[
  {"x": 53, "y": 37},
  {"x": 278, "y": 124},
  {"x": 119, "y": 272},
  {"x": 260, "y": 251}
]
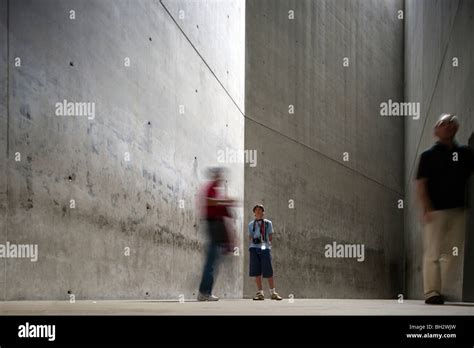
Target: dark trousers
[{"x": 215, "y": 230}]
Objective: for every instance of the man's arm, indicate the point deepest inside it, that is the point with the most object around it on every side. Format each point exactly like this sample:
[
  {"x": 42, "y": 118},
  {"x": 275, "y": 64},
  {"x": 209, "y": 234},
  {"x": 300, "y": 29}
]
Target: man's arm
[
  {"x": 219, "y": 201},
  {"x": 422, "y": 175},
  {"x": 423, "y": 197},
  {"x": 471, "y": 153}
]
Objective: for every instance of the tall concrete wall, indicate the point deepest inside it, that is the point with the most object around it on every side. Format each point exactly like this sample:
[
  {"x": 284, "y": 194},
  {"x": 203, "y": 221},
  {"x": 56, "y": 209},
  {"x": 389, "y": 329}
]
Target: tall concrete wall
[
  {"x": 3, "y": 134},
  {"x": 172, "y": 109},
  {"x": 299, "y": 62},
  {"x": 217, "y": 30},
  {"x": 436, "y": 32}
]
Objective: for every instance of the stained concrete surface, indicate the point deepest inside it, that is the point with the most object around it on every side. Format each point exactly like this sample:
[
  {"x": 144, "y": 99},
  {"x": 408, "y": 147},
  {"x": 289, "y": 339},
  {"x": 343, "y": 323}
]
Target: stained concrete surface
[
  {"x": 217, "y": 30},
  {"x": 119, "y": 204},
  {"x": 234, "y": 307},
  {"x": 297, "y": 58},
  {"x": 3, "y": 135}
]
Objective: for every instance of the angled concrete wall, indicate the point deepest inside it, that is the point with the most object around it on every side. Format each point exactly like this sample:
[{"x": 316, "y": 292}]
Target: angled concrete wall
[
  {"x": 217, "y": 31},
  {"x": 169, "y": 110},
  {"x": 299, "y": 62},
  {"x": 3, "y": 136},
  {"x": 436, "y": 32}
]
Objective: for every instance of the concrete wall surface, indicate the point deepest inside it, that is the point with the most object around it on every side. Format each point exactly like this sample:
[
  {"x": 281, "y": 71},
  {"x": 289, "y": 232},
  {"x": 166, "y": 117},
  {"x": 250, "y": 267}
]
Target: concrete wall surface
[
  {"x": 307, "y": 107},
  {"x": 167, "y": 108},
  {"x": 3, "y": 133}
]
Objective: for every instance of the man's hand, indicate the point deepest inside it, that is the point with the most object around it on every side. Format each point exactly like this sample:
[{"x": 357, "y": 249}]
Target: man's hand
[
  {"x": 427, "y": 216},
  {"x": 229, "y": 202},
  {"x": 424, "y": 200}
]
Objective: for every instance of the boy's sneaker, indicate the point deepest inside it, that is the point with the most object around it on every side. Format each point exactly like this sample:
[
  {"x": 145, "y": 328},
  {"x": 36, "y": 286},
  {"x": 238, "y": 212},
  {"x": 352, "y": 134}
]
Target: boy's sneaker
[
  {"x": 277, "y": 297},
  {"x": 203, "y": 297},
  {"x": 259, "y": 296}
]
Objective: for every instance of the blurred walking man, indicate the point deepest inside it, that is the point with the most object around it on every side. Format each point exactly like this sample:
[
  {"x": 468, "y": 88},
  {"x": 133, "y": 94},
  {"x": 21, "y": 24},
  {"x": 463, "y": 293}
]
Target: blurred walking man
[
  {"x": 443, "y": 174},
  {"x": 215, "y": 210}
]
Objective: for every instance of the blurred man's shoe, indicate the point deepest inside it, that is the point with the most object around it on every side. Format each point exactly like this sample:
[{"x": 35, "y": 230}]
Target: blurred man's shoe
[
  {"x": 259, "y": 296},
  {"x": 435, "y": 300},
  {"x": 204, "y": 297},
  {"x": 201, "y": 297},
  {"x": 277, "y": 297},
  {"x": 213, "y": 298}
]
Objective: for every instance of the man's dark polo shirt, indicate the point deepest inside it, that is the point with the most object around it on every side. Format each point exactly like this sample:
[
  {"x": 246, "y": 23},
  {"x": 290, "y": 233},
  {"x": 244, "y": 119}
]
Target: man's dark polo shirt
[{"x": 446, "y": 179}]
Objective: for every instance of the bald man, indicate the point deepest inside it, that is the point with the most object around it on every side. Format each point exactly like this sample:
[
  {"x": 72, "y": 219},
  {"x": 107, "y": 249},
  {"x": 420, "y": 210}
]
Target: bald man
[{"x": 442, "y": 177}]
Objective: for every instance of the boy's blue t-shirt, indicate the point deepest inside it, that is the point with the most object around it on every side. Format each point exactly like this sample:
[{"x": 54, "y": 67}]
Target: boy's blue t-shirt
[{"x": 257, "y": 233}]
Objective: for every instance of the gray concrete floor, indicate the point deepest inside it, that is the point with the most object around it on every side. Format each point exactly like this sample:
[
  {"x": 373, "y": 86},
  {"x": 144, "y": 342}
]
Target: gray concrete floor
[{"x": 234, "y": 307}]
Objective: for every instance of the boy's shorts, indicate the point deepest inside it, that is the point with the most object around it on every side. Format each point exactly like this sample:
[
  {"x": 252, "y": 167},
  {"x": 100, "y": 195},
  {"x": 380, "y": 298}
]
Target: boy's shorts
[{"x": 260, "y": 263}]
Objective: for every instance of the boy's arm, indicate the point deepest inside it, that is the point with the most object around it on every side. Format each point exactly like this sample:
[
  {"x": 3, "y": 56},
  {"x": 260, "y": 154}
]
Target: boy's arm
[{"x": 270, "y": 232}]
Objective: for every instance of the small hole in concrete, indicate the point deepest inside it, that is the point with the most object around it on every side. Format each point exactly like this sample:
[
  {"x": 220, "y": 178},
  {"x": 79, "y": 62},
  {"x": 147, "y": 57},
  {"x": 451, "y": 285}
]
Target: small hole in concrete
[
  {"x": 148, "y": 207},
  {"x": 196, "y": 90},
  {"x": 69, "y": 292},
  {"x": 70, "y": 178},
  {"x": 197, "y": 26},
  {"x": 227, "y": 125},
  {"x": 195, "y": 157},
  {"x": 149, "y": 123},
  {"x": 150, "y": 39},
  {"x": 146, "y": 293},
  {"x": 227, "y": 72},
  {"x": 71, "y": 63}
]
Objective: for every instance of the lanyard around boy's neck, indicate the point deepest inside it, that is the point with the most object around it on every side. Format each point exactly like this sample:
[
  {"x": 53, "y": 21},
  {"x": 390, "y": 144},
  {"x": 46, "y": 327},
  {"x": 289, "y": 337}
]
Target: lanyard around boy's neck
[{"x": 262, "y": 228}]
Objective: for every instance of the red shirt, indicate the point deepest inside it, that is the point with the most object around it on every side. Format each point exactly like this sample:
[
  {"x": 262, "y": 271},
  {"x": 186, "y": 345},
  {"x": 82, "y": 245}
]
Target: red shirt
[{"x": 214, "y": 211}]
